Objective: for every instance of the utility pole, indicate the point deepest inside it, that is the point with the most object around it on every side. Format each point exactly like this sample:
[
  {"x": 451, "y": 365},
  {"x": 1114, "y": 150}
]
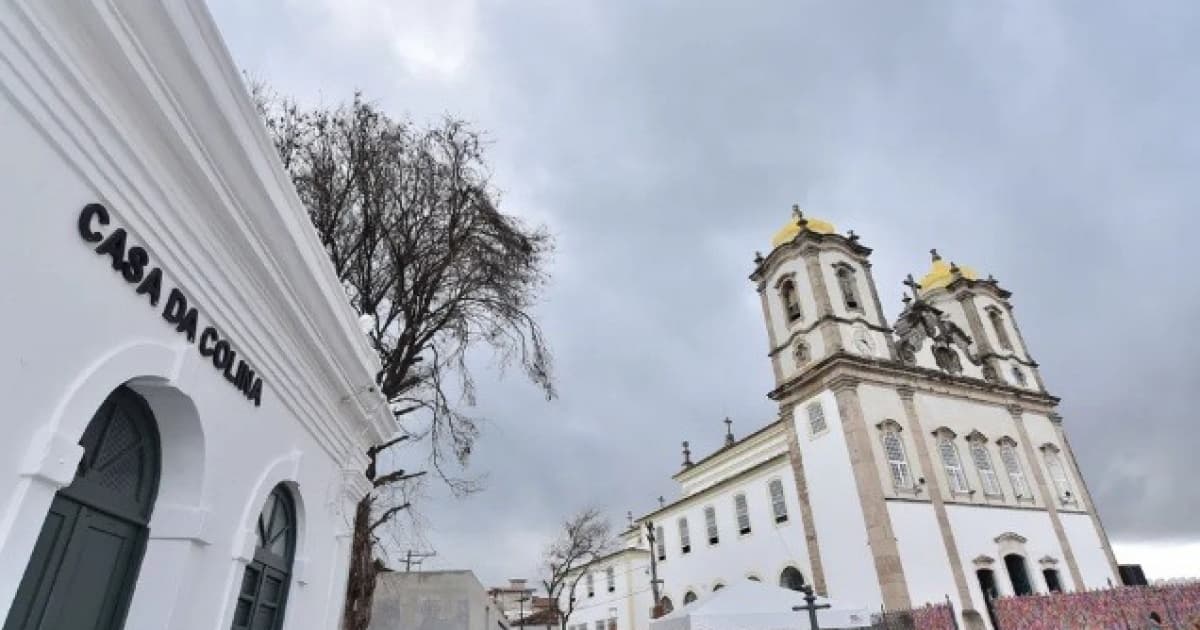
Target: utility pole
[
  {"x": 416, "y": 557},
  {"x": 653, "y": 570}
]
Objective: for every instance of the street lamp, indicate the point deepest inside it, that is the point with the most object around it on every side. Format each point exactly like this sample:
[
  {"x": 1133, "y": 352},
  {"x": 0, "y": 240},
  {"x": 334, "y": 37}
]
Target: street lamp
[{"x": 811, "y": 605}]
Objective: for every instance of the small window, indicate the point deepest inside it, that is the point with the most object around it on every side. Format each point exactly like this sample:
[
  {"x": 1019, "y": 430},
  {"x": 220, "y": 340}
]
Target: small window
[
  {"x": 791, "y": 303},
  {"x": 1019, "y": 376},
  {"x": 778, "y": 505},
  {"x": 685, "y": 537},
  {"x": 710, "y": 523},
  {"x": 599, "y": 624},
  {"x": 816, "y": 419},
  {"x": 847, "y": 283},
  {"x": 897, "y": 460},
  {"x": 743, "y": 513},
  {"x": 791, "y": 578},
  {"x": 998, "y": 326},
  {"x": 610, "y": 579},
  {"x": 660, "y": 543},
  {"x": 1058, "y": 474},
  {"x": 1052, "y": 582},
  {"x": 1012, "y": 466},
  {"x": 987, "y": 475},
  {"x": 591, "y": 584},
  {"x": 689, "y": 597},
  {"x": 953, "y": 466},
  {"x": 801, "y": 353}
]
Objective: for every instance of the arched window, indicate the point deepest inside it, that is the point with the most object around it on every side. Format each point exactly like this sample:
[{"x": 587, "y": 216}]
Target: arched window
[
  {"x": 610, "y": 579},
  {"x": 791, "y": 578},
  {"x": 997, "y": 320},
  {"x": 710, "y": 523},
  {"x": 689, "y": 597},
  {"x": 86, "y": 560},
  {"x": 1015, "y": 563},
  {"x": 1012, "y": 466},
  {"x": 847, "y": 284},
  {"x": 262, "y": 598},
  {"x": 665, "y": 605},
  {"x": 778, "y": 505},
  {"x": 685, "y": 537},
  {"x": 952, "y": 464},
  {"x": 743, "y": 513},
  {"x": 791, "y": 302},
  {"x": 897, "y": 460},
  {"x": 1058, "y": 473},
  {"x": 983, "y": 464},
  {"x": 1053, "y": 584}
]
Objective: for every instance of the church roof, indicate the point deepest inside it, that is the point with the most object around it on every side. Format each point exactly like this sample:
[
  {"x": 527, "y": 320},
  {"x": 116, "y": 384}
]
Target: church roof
[
  {"x": 794, "y": 226},
  {"x": 942, "y": 273}
]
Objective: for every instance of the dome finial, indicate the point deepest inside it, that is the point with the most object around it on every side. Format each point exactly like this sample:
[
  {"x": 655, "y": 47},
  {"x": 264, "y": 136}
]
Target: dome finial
[
  {"x": 933, "y": 254},
  {"x": 687, "y": 455},
  {"x": 796, "y": 213}
]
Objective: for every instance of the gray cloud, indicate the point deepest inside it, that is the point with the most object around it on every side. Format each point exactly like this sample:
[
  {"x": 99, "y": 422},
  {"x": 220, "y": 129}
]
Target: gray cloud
[{"x": 663, "y": 143}]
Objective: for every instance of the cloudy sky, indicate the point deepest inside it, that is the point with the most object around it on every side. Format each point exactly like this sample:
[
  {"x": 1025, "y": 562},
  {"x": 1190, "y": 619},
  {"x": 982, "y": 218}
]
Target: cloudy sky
[{"x": 663, "y": 143}]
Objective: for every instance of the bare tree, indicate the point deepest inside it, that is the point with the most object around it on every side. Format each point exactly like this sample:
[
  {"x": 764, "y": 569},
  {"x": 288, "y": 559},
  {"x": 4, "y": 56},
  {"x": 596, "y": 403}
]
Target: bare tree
[
  {"x": 585, "y": 538},
  {"x": 412, "y": 225}
]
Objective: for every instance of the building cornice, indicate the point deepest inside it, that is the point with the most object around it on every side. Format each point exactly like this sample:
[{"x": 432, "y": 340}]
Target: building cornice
[
  {"x": 806, "y": 241},
  {"x": 171, "y": 143},
  {"x": 740, "y": 447},
  {"x": 849, "y": 321},
  {"x": 708, "y": 491},
  {"x": 842, "y": 365}
]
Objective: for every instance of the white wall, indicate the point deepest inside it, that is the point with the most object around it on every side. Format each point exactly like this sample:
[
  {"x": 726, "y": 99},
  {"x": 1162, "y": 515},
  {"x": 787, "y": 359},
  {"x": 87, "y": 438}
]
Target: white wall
[
  {"x": 923, "y": 553},
  {"x": 630, "y": 601},
  {"x": 1089, "y": 552}
]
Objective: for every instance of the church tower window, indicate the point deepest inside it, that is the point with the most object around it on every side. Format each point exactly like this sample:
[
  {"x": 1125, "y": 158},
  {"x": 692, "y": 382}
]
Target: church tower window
[
  {"x": 1058, "y": 474},
  {"x": 1019, "y": 376},
  {"x": 660, "y": 543},
  {"x": 791, "y": 302},
  {"x": 816, "y": 419},
  {"x": 1012, "y": 466},
  {"x": 743, "y": 513},
  {"x": 847, "y": 283},
  {"x": 897, "y": 460},
  {"x": 685, "y": 537},
  {"x": 983, "y": 464},
  {"x": 801, "y": 353},
  {"x": 778, "y": 505},
  {"x": 952, "y": 464},
  {"x": 997, "y": 319},
  {"x": 710, "y": 523}
]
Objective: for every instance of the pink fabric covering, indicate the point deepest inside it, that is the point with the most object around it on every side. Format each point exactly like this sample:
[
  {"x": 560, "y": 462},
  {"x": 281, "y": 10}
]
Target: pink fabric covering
[{"x": 1178, "y": 605}]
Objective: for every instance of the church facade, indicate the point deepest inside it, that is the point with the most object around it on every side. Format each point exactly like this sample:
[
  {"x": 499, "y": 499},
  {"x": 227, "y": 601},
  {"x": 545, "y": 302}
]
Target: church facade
[{"x": 912, "y": 461}]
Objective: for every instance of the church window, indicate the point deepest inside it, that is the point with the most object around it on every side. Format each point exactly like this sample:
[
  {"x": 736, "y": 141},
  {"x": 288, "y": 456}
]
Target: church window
[
  {"x": 1019, "y": 377},
  {"x": 800, "y": 353},
  {"x": 791, "y": 302},
  {"x": 998, "y": 326},
  {"x": 599, "y": 624},
  {"x": 987, "y": 474},
  {"x": 1015, "y": 563},
  {"x": 685, "y": 538},
  {"x": 1058, "y": 473},
  {"x": 897, "y": 461},
  {"x": 953, "y": 466},
  {"x": 778, "y": 505},
  {"x": 1012, "y": 466},
  {"x": 689, "y": 597},
  {"x": 1053, "y": 584},
  {"x": 710, "y": 523},
  {"x": 791, "y": 578},
  {"x": 847, "y": 282},
  {"x": 660, "y": 543},
  {"x": 610, "y": 579},
  {"x": 816, "y": 419},
  {"x": 743, "y": 513},
  {"x": 591, "y": 584}
]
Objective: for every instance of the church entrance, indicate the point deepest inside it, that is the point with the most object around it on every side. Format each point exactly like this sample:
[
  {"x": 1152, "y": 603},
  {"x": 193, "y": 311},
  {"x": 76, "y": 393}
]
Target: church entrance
[
  {"x": 1015, "y": 563},
  {"x": 987, "y": 585},
  {"x": 86, "y": 559}
]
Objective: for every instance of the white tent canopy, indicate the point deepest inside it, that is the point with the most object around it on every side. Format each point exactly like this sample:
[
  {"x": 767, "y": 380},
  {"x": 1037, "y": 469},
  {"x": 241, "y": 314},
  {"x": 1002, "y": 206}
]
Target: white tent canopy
[{"x": 749, "y": 605}]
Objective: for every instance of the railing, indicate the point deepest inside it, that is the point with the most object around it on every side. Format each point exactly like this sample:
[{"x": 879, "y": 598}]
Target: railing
[{"x": 1163, "y": 606}]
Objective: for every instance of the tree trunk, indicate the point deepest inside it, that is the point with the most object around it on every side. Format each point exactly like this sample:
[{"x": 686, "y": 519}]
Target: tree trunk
[{"x": 360, "y": 587}]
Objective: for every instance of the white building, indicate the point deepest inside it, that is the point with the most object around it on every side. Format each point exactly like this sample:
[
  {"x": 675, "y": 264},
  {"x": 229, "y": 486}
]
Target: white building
[
  {"x": 614, "y": 591},
  {"x": 911, "y": 461},
  {"x": 188, "y": 396}
]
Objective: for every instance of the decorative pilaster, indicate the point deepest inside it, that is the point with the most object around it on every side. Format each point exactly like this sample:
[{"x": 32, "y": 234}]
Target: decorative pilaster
[
  {"x": 891, "y": 340},
  {"x": 983, "y": 343},
  {"x": 1048, "y": 497},
  {"x": 880, "y": 535},
  {"x": 829, "y": 331},
  {"x": 1037, "y": 374},
  {"x": 806, "y": 515},
  {"x": 907, "y": 397},
  {"x": 772, "y": 341}
]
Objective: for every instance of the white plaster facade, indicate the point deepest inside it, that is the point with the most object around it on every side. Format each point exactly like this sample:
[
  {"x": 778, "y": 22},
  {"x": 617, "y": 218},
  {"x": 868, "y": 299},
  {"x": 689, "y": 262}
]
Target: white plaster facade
[
  {"x": 137, "y": 106},
  {"x": 973, "y": 482},
  {"x": 623, "y": 603}
]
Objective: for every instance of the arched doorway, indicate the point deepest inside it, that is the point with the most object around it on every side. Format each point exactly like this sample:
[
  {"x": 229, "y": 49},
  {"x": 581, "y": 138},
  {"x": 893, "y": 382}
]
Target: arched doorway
[
  {"x": 792, "y": 578},
  {"x": 262, "y": 597},
  {"x": 1015, "y": 563},
  {"x": 86, "y": 559}
]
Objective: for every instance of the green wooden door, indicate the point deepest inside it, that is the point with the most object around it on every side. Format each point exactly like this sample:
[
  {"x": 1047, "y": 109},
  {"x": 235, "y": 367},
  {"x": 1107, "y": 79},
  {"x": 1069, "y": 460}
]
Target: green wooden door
[
  {"x": 84, "y": 564},
  {"x": 262, "y": 599}
]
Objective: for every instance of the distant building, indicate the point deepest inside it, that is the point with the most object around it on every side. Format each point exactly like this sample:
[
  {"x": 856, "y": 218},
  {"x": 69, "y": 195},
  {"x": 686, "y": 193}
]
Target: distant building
[
  {"x": 514, "y": 600},
  {"x": 614, "y": 592},
  {"x": 434, "y": 600}
]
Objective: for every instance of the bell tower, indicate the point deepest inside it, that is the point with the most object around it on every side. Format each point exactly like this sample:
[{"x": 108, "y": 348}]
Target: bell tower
[{"x": 818, "y": 297}]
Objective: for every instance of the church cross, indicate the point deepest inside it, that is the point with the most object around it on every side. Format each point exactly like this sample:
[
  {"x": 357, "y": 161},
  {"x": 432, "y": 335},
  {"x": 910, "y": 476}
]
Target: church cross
[{"x": 912, "y": 284}]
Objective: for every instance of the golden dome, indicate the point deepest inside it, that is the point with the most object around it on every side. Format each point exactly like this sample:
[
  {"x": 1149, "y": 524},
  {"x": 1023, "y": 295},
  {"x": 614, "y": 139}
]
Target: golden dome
[
  {"x": 940, "y": 274},
  {"x": 792, "y": 228}
]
